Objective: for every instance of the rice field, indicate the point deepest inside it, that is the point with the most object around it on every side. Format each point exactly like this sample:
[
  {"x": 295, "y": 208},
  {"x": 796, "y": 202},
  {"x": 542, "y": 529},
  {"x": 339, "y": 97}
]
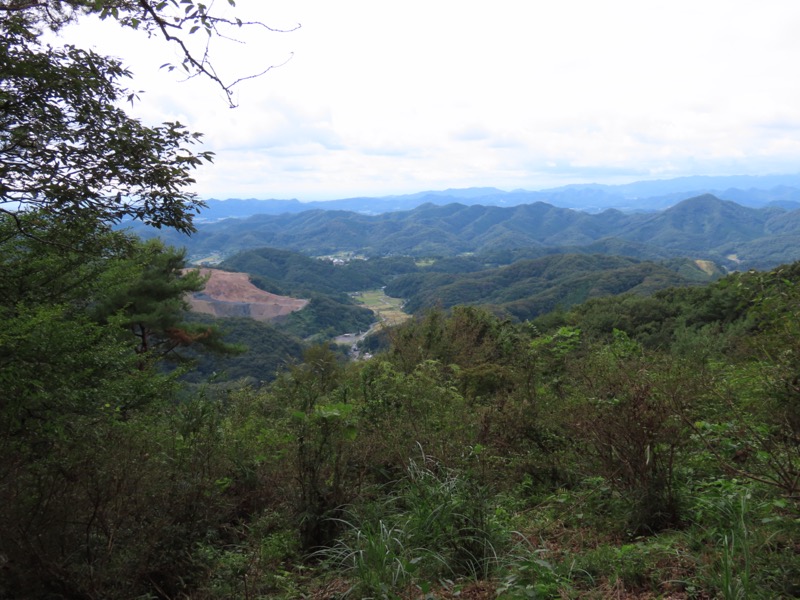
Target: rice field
[{"x": 389, "y": 310}]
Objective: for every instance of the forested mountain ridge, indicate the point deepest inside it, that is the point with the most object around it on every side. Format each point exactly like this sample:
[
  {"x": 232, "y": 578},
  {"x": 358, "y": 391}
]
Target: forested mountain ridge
[
  {"x": 641, "y": 196},
  {"x": 701, "y": 227}
]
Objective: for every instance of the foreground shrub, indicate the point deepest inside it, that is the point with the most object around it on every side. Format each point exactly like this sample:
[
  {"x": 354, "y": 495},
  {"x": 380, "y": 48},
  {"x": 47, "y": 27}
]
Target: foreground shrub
[{"x": 436, "y": 523}]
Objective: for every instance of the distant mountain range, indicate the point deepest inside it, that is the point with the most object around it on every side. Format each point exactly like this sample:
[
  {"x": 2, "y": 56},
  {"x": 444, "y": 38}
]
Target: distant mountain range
[
  {"x": 704, "y": 227},
  {"x": 751, "y": 191}
]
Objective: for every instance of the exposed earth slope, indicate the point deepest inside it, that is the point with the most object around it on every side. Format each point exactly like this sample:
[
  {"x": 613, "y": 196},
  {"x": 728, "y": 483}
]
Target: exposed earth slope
[{"x": 233, "y": 295}]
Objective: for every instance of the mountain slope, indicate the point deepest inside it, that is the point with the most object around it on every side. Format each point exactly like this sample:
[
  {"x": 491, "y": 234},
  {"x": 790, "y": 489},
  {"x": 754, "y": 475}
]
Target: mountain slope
[
  {"x": 701, "y": 227},
  {"x": 701, "y": 223},
  {"x": 530, "y": 287},
  {"x": 289, "y": 272}
]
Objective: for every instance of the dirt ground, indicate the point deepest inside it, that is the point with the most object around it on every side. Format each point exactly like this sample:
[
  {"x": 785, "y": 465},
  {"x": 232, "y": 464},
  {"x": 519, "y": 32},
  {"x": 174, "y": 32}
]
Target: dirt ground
[{"x": 232, "y": 295}]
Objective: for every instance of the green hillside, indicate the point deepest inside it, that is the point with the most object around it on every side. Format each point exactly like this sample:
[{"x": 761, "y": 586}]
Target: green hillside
[
  {"x": 265, "y": 351},
  {"x": 326, "y": 317},
  {"x": 706, "y": 223},
  {"x": 530, "y": 287},
  {"x": 294, "y": 273},
  {"x": 703, "y": 227}
]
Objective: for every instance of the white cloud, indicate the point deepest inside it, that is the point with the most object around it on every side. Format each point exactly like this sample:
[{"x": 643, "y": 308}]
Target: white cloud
[{"x": 385, "y": 97}]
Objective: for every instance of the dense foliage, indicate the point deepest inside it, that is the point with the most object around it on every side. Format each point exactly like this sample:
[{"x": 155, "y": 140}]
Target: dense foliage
[
  {"x": 645, "y": 444},
  {"x": 104, "y": 491},
  {"x": 325, "y": 317},
  {"x": 528, "y": 288},
  {"x": 88, "y": 316},
  {"x": 67, "y": 149},
  {"x": 264, "y": 351}
]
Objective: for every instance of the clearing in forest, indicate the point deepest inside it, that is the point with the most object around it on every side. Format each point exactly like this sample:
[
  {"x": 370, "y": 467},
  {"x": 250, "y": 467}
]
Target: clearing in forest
[
  {"x": 706, "y": 266},
  {"x": 229, "y": 294},
  {"x": 389, "y": 310}
]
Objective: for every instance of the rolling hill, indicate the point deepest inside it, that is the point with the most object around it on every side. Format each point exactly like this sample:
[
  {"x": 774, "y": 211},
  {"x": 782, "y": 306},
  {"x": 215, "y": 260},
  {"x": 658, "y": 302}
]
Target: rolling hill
[
  {"x": 703, "y": 227},
  {"x": 531, "y": 287}
]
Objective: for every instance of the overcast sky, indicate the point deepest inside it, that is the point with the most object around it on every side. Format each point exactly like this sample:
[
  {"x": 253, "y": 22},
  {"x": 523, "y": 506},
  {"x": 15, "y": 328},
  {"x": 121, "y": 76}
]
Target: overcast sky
[{"x": 384, "y": 97}]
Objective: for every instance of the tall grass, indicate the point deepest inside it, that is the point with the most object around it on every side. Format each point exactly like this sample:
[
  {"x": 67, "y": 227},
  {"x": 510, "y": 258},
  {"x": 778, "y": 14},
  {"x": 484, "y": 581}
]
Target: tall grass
[
  {"x": 724, "y": 519},
  {"x": 437, "y": 524},
  {"x": 735, "y": 561},
  {"x": 453, "y": 516},
  {"x": 374, "y": 556}
]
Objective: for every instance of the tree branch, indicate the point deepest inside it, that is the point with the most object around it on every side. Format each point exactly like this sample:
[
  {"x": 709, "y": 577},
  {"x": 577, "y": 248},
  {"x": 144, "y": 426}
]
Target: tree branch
[{"x": 203, "y": 66}]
